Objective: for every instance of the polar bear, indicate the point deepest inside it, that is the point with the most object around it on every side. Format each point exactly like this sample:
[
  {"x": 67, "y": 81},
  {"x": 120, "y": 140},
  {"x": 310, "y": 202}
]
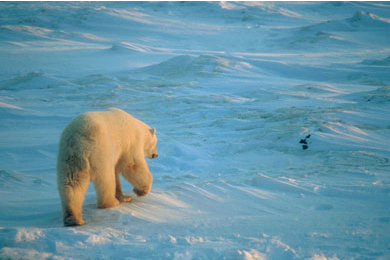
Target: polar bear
[{"x": 98, "y": 147}]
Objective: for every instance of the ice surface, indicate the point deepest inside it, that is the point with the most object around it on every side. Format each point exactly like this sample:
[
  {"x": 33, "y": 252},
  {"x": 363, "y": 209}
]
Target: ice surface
[{"x": 232, "y": 88}]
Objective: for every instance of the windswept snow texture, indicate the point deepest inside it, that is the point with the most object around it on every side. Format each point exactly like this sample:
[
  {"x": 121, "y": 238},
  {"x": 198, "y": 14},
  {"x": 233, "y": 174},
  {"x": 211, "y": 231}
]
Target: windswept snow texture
[{"x": 273, "y": 122}]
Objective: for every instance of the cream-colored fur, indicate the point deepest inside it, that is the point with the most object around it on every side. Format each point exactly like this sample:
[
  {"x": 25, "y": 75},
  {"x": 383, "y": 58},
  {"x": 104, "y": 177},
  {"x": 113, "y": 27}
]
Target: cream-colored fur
[{"x": 98, "y": 147}]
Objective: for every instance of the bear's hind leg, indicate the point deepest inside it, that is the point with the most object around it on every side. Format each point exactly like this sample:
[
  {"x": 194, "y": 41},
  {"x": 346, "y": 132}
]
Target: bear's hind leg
[
  {"x": 72, "y": 197},
  {"x": 105, "y": 189}
]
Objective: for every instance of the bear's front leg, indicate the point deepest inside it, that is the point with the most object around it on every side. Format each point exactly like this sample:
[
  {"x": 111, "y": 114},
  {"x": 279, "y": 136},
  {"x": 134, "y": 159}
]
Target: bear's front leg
[
  {"x": 141, "y": 193},
  {"x": 118, "y": 190},
  {"x": 138, "y": 174},
  {"x": 104, "y": 183},
  {"x": 125, "y": 198}
]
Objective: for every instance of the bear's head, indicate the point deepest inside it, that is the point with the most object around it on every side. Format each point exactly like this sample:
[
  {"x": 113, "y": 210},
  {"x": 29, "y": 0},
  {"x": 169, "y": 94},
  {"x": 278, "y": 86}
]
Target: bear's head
[{"x": 150, "y": 144}]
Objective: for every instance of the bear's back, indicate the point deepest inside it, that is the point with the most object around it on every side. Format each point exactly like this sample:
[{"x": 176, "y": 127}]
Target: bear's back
[{"x": 110, "y": 129}]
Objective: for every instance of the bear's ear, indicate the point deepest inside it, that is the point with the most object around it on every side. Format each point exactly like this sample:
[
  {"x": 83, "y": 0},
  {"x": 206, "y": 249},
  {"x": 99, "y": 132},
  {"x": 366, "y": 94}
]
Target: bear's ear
[{"x": 152, "y": 131}]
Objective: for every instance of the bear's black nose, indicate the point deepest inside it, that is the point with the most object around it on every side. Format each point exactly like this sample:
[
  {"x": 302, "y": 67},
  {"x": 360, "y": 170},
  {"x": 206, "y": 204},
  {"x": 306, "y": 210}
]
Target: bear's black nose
[{"x": 154, "y": 156}]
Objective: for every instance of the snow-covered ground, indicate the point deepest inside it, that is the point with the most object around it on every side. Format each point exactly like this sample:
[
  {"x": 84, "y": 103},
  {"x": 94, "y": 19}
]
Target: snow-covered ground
[{"x": 235, "y": 91}]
